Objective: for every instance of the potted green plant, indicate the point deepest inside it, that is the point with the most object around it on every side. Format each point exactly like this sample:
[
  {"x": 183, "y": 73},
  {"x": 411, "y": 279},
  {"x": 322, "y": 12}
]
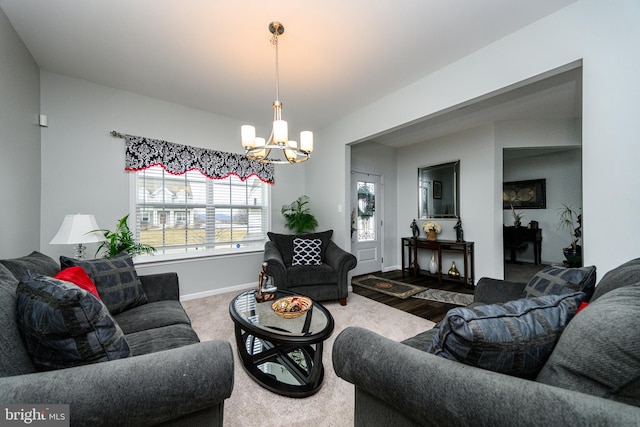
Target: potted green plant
[
  {"x": 570, "y": 220},
  {"x": 121, "y": 240},
  {"x": 517, "y": 217},
  {"x": 298, "y": 216}
]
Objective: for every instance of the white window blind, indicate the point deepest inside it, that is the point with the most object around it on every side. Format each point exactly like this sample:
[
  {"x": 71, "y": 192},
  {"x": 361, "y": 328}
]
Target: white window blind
[{"x": 191, "y": 213}]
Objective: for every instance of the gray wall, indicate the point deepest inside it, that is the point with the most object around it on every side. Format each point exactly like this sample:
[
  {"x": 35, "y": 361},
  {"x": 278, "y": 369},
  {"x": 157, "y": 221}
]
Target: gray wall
[{"x": 19, "y": 145}]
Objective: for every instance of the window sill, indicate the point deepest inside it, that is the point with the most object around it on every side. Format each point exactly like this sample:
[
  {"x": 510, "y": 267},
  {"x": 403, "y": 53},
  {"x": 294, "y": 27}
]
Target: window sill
[{"x": 149, "y": 260}]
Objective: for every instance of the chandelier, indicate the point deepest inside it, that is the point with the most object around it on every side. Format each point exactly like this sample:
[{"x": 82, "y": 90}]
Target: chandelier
[{"x": 278, "y": 148}]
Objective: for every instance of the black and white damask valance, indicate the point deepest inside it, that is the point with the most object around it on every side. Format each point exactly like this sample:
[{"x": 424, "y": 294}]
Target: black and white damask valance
[{"x": 177, "y": 159}]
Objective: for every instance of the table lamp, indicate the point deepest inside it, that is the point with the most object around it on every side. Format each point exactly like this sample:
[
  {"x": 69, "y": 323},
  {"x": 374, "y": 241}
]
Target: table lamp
[{"x": 76, "y": 230}]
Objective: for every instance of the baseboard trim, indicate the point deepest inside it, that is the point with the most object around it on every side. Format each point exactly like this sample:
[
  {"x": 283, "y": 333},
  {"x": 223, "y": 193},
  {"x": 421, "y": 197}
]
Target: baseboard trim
[{"x": 237, "y": 288}]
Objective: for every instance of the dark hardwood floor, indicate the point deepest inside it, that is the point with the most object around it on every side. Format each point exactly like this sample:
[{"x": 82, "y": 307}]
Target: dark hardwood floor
[{"x": 431, "y": 310}]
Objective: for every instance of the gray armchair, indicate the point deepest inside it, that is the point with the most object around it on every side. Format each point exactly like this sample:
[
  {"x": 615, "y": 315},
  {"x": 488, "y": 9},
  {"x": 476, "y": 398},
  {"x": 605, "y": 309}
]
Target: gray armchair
[{"x": 328, "y": 280}]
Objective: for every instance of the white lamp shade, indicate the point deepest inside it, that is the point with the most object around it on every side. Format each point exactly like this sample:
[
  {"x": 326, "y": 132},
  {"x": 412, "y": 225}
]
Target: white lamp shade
[
  {"x": 248, "y": 134},
  {"x": 280, "y": 131},
  {"x": 306, "y": 141},
  {"x": 78, "y": 229}
]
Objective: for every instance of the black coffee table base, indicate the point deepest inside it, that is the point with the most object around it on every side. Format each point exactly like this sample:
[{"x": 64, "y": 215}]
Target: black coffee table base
[{"x": 287, "y": 369}]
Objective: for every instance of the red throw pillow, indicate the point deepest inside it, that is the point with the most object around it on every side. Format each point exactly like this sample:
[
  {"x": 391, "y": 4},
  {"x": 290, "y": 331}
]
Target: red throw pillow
[
  {"x": 582, "y": 306},
  {"x": 79, "y": 277}
]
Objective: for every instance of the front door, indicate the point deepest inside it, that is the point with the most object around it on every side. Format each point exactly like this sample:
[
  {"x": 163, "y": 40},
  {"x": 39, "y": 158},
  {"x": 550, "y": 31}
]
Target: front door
[{"x": 366, "y": 222}]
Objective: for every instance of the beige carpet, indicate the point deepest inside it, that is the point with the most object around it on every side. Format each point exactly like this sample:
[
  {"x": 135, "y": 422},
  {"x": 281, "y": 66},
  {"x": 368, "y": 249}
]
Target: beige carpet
[{"x": 254, "y": 406}]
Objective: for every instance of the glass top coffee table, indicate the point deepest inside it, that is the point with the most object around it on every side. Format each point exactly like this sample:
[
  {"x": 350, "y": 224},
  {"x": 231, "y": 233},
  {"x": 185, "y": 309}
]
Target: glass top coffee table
[{"x": 283, "y": 355}]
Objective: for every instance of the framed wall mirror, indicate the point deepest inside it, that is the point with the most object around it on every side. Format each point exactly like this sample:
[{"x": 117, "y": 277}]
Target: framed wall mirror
[{"x": 439, "y": 191}]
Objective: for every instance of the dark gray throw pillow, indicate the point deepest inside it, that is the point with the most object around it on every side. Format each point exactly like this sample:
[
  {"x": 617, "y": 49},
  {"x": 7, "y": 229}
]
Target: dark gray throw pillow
[
  {"x": 560, "y": 280},
  {"x": 623, "y": 275},
  {"x": 63, "y": 325},
  {"x": 35, "y": 262},
  {"x": 514, "y": 338},
  {"x": 116, "y": 280}
]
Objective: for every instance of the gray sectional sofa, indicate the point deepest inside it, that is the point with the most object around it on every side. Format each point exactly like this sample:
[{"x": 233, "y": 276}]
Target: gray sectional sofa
[
  {"x": 590, "y": 378},
  {"x": 159, "y": 372}
]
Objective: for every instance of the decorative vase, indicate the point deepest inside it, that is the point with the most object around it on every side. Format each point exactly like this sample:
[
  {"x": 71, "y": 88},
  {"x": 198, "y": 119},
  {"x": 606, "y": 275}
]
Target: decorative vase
[
  {"x": 433, "y": 264},
  {"x": 573, "y": 256},
  {"x": 453, "y": 271},
  {"x": 431, "y": 235}
]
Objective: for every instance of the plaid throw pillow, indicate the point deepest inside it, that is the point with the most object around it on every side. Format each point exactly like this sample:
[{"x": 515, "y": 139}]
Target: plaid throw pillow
[
  {"x": 62, "y": 325},
  {"x": 514, "y": 338},
  {"x": 116, "y": 280},
  {"x": 560, "y": 280},
  {"x": 306, "y": 252}
]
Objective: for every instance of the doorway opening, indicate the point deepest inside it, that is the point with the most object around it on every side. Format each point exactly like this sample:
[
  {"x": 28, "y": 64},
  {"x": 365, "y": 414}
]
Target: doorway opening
[{"x": 538, "y": 239}]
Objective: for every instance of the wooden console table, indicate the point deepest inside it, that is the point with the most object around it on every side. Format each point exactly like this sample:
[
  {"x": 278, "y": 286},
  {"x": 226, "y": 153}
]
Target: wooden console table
[
  {"x": 413, "y": 244},
  {"x": 514, "y": 236}
]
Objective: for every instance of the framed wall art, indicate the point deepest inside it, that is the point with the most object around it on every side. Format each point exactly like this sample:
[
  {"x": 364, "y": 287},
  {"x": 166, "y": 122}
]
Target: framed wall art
[
  {"x": 530, "y": 194},
  {"x": 437, "y": 189}
]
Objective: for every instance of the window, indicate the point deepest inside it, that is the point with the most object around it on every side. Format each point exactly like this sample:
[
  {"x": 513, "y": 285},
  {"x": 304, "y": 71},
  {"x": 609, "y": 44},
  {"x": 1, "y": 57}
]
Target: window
[
  {"x": 191, "y": 213},
  {"x": 366, "y": 211}
]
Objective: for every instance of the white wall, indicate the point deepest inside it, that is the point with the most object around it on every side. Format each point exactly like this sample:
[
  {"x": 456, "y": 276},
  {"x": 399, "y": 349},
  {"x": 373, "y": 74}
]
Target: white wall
[
  {"x": 83, "y": 167},
  {"x": 602, "y": 34},
  {"x": 19, "y": 145}
]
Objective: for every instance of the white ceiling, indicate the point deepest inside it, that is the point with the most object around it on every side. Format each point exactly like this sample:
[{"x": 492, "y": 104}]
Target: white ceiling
[{"x": 335, "y": 56}]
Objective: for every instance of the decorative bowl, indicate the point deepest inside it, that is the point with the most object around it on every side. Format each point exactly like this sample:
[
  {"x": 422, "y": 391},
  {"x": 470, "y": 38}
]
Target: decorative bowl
[{"x": 291, "y": 307}]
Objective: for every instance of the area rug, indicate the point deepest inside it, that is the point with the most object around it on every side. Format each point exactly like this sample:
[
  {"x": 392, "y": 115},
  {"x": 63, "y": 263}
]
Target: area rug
[
  {"x": 333, "y": 406},
  {"x": 448, "y": 297},
  {"x": 388, "y": 287}
]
